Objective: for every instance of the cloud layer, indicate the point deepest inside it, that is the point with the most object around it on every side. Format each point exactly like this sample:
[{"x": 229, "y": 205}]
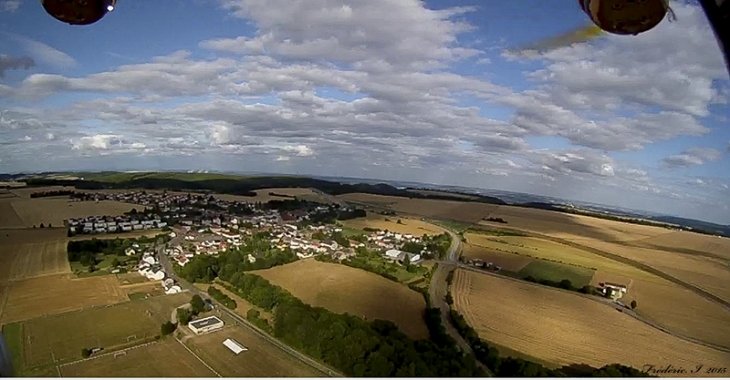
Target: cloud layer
[{"x": 373, "y": 88}]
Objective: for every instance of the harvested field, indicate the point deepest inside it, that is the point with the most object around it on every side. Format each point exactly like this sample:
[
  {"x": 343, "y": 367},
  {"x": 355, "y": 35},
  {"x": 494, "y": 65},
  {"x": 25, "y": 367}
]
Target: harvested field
[
  {"x": 409, "y": 226},
  {"x": 508, "y": 261},
  {"x": 56, "y": 294},
  {"x": 55, "y": 211},
  {"x": 681, "y": 311},
  {"x": 545, "y": 249},
  {"x": 568, "y": 226},
  {"x": 471, "y": 212},
  {"x": 26, "y": 253},
  {"x": 14, "y": 184},
  {"x": 121, "y": 235},
  {"x": 264, "y": 196},
  {"x": 710, "y": 274},
  {"x": 688, "y": 242},
  {"x": 552, "y": 271},
  {"x": 8, "y": 217},
  {"x": 563, "y": 328},
  {"x": 262, "y": 359},
  {"x": 348, "y": 290},
  {"x": 164, "y": 359},
  {"x": 25, "y": 192},
  {"x": 61, "y": 337}
]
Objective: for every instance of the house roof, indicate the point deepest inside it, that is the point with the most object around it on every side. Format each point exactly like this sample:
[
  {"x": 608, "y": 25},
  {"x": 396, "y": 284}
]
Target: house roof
[{"x": 205, "y": 322}]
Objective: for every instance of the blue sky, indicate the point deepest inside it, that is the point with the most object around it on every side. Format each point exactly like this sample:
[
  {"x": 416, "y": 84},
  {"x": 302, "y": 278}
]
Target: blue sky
[{"x": 390, "y": 89}]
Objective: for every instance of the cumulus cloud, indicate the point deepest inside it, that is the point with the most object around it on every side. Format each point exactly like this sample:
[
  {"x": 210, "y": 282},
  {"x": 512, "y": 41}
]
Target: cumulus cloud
[
  {"x": 12, "y": 63},
  {"x": 692, "y": 157}
]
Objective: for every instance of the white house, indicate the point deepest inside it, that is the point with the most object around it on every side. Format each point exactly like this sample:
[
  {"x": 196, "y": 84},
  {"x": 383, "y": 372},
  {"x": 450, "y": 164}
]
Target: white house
[
  {"x": 149, "y": 260},
  {"x": 205, "y": 325},
  {"x": 157, "y": 276},
  {"x": 234, "y": 346},
  {"x": 129, "y": 252},
  {"x": 174, "y": 290},
  {"x": 395, "y": 254}
]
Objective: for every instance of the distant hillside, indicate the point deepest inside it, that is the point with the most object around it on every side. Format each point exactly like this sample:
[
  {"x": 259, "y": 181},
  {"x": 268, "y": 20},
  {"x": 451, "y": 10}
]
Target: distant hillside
[
  {"x": 231, "y": 184},
  {"x": 657, "y": 221}
]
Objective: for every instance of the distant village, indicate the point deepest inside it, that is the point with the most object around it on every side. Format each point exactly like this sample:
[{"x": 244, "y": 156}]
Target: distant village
[{"x": 203, "y": 225}]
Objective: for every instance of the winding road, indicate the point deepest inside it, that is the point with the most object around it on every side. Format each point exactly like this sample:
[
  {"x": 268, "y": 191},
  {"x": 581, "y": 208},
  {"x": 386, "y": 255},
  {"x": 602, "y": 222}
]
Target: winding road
[{"x": 439, "y": 288}]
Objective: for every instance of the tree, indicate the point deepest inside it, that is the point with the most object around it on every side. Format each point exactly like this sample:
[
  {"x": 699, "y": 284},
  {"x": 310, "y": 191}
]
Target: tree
[
  {"x": 85, "y": 353},
  {"x": 167, "y": 328},
  {"x": 92, "y": 268},
  {"x": 197, "y": 304},
  {"x": 184, "y": 316},
  {"x": 42, "y": 226},
  {"x": 633, "y": 304},
  {"x": 115, "y": 262},
  {"x": 50, "y": 225},
  {"x": 566, "y": 284}
]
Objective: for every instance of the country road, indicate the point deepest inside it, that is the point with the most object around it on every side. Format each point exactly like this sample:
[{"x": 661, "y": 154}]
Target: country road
[
  {"x": 437, "y": 293},
  {"x": 168, "y": 268}
]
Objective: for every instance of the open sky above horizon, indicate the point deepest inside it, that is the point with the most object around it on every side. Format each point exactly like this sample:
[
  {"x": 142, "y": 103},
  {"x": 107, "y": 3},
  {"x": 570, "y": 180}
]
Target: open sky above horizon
[{"x": 383, "y": 89}]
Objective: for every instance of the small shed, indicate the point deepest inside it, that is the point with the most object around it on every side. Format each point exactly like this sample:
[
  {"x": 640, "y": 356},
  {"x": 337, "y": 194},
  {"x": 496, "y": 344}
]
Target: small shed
[{"x": 234, "y": 346}]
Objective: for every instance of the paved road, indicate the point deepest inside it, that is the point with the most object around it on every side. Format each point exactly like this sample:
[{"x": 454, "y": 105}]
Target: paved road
[
  {"x": 167, "y": 265},
  {"x": 603, "y": 301},
  {"x": 437, "y": 294}
]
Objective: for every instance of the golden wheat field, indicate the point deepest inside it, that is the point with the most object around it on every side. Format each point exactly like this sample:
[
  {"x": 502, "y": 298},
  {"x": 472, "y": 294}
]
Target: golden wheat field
[
  {"x": 55, "y": 211},
  {"x": 56, "y": 294},
  {"x": 409, "y": 226},
  {"x": 470, "y": 212},
  {"x": 561, "y": 328},
  {"x": 19, "y": 261},
  {"x": 343, "y": 289}
]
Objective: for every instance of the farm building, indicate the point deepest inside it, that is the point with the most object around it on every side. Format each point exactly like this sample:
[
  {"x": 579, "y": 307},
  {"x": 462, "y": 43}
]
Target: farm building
[
  {"x": 234, "y": 346},
  {"x": 205, "y": 325},
  {"x": 396, "y": 255},
  {"x": 614, "y": 287}
]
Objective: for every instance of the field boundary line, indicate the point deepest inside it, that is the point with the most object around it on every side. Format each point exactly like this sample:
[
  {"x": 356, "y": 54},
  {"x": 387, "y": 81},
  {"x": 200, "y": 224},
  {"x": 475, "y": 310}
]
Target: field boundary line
[
  {"x": 197, "y": 357},
  {"x": 609, "y": 304},
  {"x": 106, "y": 354}
]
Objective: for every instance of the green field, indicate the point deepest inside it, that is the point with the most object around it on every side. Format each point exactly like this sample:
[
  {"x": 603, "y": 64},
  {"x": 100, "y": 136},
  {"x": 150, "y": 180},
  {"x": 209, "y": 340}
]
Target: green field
[
  {"x": 115, "y": 177},
  {"x": 548, "y": 270},
  {"x": 60, "y": 338},
  {"x": 13, "y": 334},
  {"x": 349, "y": 232}
]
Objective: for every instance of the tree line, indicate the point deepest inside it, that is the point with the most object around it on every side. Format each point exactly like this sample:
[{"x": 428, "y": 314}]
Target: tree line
[
  {"x": 51, "y": 193},
  {"x": 352, "y": 345},
  {"x": 85, "y": 251},
  {"x": 222, "y": 298}
]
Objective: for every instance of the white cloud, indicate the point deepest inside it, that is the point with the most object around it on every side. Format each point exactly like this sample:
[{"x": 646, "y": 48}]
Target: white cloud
[
  {"x": 692, "y": 157},
  {"x": 12, "y": 63},
  {"x": 10, "y": 5},
  {"x": 45, "y": 54}
]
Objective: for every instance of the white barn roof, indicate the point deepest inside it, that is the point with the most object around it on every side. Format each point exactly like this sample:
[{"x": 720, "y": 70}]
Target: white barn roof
[{"x": 234, "y": 346}]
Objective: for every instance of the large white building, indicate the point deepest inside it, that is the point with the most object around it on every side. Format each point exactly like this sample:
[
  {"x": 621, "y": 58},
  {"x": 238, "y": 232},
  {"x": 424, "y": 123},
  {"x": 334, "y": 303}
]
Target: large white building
[{"x": 205, "y": 325}]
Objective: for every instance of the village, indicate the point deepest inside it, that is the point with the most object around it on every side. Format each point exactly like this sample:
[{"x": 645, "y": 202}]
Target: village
[{"x": 203, "y": 225}]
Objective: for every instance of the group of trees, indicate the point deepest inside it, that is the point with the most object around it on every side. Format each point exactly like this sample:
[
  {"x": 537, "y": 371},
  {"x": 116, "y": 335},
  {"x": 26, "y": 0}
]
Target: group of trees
[
  {"x": 348, "y": 343},
  {"x": 51, "y": 193},
  {"x": 86, "y": 251},
  {"x": 222, "y": 297}
]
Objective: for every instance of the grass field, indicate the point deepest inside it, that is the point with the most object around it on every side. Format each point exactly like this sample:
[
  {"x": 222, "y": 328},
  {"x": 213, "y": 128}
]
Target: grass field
[
  {"x": 548, "y": 270},
  {"x": 56, "y": 294},
  {"x": 409, "y": 226},
  {"x": 131, "y": 278},
  {"x": 471, "y": 212},
  {"x": 32, "y": 253},
  {"x": 262, "y": 359},
  {"x": 55, "y": 211},
  {"x": 348, "y": 290},
  {"x": 58, "y": 339},
  {"x": 561, "y": 328},
  {"x": 163, "y": 359}
]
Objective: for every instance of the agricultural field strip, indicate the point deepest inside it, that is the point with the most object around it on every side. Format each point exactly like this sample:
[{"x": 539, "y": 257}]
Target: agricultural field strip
[
  {"x": 198, "y": 357},
  {"x": 636, "y": 264},
  {"x": 604, "y": 302},
  {"x": 106, "y": 354}
]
